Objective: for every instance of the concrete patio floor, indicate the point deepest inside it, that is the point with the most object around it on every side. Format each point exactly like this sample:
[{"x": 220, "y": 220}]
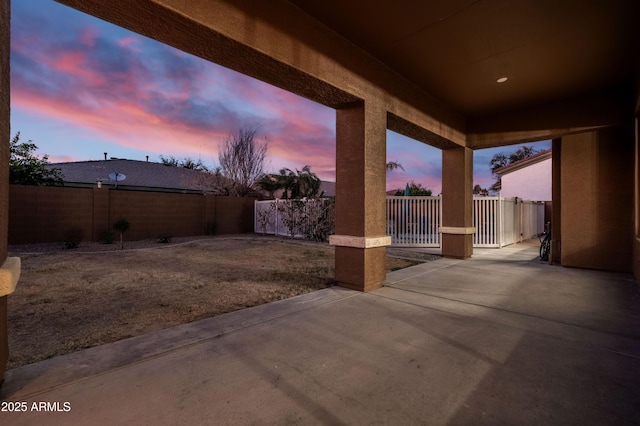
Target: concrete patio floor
[{"x": 498, "y": 339}]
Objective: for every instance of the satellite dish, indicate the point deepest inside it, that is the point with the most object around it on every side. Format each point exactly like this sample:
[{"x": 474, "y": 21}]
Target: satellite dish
[{"x": 118, "y": 177}]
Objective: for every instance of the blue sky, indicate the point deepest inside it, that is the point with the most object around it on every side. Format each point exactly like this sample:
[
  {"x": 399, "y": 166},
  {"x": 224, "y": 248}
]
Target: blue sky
[{"x": 81, "y": 87}]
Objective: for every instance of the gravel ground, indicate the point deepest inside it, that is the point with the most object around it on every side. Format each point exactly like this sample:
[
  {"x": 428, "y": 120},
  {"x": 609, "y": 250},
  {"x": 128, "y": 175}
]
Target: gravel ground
[
  {"x": 73, "y": 299},
  {"x": 90, "y": 246},
  {"x": 404, "y": 253}
]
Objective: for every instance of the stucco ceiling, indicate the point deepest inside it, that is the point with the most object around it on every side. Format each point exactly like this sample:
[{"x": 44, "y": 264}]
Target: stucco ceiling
[{"x": 457, "y": 49}]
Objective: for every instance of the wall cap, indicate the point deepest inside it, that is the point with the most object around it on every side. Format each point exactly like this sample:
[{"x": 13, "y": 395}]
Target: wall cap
[
  {"x": 359, "y": 242},
  {"x": 458, "y": 230}
]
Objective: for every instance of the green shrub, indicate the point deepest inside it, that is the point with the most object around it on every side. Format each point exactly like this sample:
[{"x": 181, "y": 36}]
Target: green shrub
[
  {"x": 293, "y": 217},
  {"x": 212, "y": 227},
  {"x": 319, "y": 219},
  {"x": 107, "y": 237},
  {"x": 72, "y": 238},
  {"x": 122, "y": 226},
  {"x": 164, "y": 238}
]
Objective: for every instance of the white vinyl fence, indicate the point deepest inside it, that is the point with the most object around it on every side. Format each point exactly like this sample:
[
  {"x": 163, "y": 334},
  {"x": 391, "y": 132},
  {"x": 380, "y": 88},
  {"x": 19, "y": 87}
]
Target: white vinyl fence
[
  {"x": 411, "y": 221},
  {"x": 414, "y": 221},
  {"x": 503, "y": 221}
]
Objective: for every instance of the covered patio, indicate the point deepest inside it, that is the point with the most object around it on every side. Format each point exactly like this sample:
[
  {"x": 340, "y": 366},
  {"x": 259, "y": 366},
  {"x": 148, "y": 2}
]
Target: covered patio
[
  {"x": 498, "y": 339},
  {"x": 459, "y": 76}
]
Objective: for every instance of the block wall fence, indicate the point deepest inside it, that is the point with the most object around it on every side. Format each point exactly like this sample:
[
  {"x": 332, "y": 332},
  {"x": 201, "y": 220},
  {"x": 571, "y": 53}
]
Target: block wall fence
[{"x": 39, "y": 214}]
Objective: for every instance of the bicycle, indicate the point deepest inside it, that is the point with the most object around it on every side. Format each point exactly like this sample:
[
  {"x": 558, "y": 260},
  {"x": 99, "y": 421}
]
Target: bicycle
[{"x": 545, "y": 242}]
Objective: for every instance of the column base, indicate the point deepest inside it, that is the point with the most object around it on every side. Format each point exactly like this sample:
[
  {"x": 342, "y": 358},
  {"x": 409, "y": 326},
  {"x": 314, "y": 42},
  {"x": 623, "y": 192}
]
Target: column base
[
  {"x": 457, "y": 246},
  {"x": 359, "y": 268}
]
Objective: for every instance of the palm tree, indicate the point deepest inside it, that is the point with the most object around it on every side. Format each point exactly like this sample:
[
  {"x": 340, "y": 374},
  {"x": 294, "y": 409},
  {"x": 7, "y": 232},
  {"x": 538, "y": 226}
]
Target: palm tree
[
  {"x": 522, "y": 153},
  {"x": 287, "y": 182},
  {"x": 498, "y": 160},
  {"x": 299, "y": 184},
  {"x": 307, "y": 183},
  {"x": 392, "y": 165},
  {"x": 269, "y": 183}
]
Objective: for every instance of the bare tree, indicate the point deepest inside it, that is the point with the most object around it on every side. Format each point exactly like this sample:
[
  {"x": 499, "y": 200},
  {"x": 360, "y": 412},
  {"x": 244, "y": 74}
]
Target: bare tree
[
  {"x": 242, "y": 160},
  {"x": 210, "y": 181}
]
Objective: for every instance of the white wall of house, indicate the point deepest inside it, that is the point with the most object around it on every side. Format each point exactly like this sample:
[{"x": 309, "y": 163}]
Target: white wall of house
[{"x": 529, "y": 183}]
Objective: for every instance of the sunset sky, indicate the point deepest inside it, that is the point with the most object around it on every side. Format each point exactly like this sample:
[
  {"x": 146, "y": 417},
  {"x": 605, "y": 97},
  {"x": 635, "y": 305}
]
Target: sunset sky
[{"x": 81, "y": 87}]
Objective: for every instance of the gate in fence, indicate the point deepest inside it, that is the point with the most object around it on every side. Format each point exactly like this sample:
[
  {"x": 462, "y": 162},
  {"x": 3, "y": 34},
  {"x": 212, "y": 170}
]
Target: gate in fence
[
  {"x": 503, "y": 221},
  {"x": 411, "y": 221}
]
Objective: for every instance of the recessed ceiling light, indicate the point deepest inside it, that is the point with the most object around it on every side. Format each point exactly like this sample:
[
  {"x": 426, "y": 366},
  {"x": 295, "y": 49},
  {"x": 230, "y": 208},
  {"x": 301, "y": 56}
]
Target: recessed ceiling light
[{"x": 502, "y": 79}]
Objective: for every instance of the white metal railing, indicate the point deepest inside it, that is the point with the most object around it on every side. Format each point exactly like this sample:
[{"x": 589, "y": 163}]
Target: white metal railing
[{"x": 413, "y": 221}]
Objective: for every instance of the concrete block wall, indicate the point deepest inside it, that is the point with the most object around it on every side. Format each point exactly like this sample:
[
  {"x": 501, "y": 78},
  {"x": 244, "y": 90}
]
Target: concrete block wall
[
  {"x": 233, "y": 215},
  {"x": 46, "y": 214},
  {"x": 153, "y": 214}
]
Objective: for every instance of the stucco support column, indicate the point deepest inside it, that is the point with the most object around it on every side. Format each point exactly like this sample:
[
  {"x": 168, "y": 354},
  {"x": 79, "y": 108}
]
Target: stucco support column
[
  {"x": 556, "y": 198},
  {"x": 360, "y": 240},
  {"x": 4, "y": 178},
  {"x": 457, "y": 203}
]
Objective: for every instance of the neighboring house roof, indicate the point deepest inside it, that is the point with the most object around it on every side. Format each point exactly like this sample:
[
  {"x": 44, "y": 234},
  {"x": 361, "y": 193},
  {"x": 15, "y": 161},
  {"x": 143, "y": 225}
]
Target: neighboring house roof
[
  {"x": 138, "y": 175},
  {"x": 541, "y": 156},
  {"x": 143, "y": 175}
]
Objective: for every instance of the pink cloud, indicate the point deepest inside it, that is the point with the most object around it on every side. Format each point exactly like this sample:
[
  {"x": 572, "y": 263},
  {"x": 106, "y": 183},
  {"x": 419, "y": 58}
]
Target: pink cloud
[
  {"x": 399, "y": 181},
  {"x": 317, "y": 150},
  {"x": 125, "y": 123},
  {"x": 74, "y": 64},
  {"x": 62, "y": 158},
  {"x": 87, "y": 36},
  {"x": 183, "y": 107},
  {"x": 128, "y": 42}
]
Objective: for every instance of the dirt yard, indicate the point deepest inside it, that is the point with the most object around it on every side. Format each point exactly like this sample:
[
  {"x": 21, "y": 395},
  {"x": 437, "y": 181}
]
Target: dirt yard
[{"x": 68, "y": 300}]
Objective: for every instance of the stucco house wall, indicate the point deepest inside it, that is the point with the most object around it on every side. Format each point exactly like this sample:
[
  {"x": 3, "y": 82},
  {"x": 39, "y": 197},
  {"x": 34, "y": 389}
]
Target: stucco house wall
[{"x": 529, "y": 183}]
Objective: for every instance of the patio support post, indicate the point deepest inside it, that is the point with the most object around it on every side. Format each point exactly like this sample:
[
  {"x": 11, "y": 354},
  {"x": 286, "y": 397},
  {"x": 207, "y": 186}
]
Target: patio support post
[
  {"x": 4, "y": 170},
  {"x": 360, "y": 240},
  {"x": 556, "y": 198},
  {"x": 457, "y": 203}
]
